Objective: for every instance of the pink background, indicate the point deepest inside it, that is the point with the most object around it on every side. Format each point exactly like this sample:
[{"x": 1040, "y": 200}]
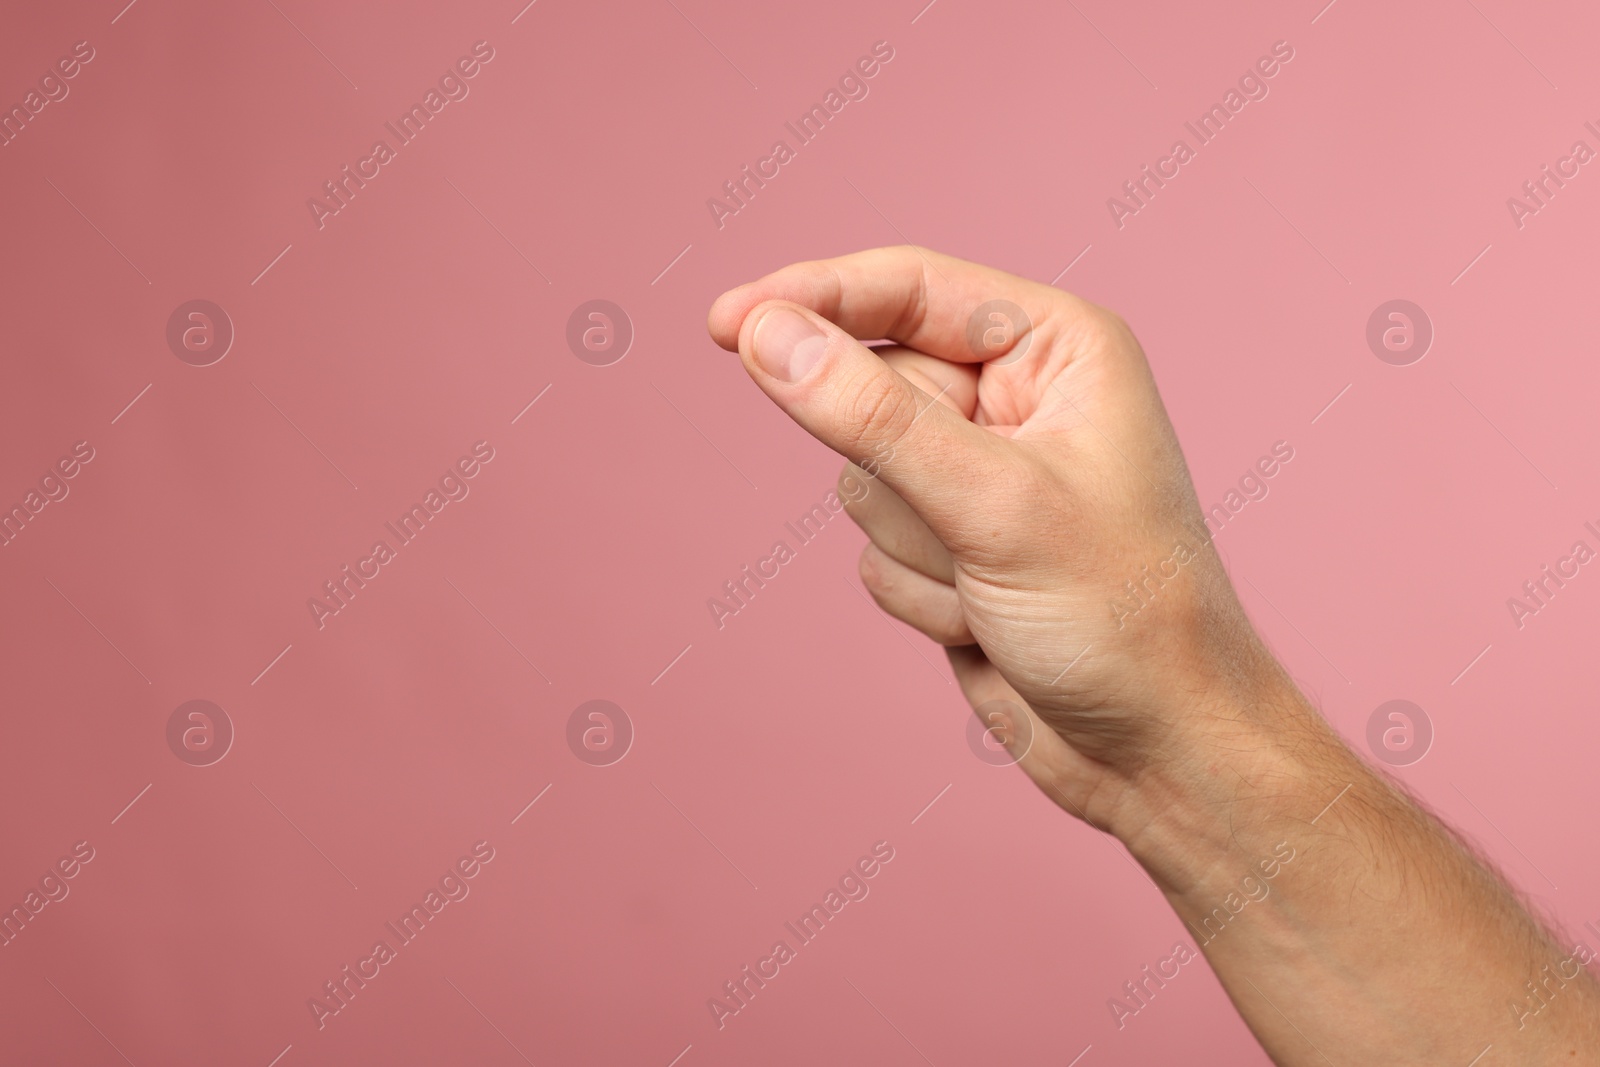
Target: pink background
[{"x": 371, "y": 353}]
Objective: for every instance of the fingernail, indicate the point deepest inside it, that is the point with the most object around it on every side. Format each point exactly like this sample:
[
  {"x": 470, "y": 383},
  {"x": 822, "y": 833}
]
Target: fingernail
[{"x": 787, "y": 345}]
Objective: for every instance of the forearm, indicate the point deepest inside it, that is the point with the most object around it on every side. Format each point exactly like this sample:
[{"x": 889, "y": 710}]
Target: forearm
[{"x": 1346, "y": 923}]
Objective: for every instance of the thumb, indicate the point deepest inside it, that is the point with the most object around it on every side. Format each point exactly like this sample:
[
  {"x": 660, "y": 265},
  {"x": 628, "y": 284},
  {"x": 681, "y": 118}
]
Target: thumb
[{"x": 848, "y": 398}]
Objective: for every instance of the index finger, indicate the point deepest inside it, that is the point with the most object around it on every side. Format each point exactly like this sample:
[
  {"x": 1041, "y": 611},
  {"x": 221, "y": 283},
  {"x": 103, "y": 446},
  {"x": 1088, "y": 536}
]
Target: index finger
[{"x": 923, "y": 299}]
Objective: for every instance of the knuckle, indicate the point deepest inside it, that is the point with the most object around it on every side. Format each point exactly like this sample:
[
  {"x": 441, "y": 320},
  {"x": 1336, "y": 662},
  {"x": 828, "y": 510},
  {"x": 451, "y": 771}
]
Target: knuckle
[
  {"x": 1102, "y": 326},
  {"x": 1112, "y": 321},
  {"x": 1109, "y": 333},
  {"x": 870, "y": 569},
  {"x": 940, "y": 621},
  {"x": 880, "y": 410}
]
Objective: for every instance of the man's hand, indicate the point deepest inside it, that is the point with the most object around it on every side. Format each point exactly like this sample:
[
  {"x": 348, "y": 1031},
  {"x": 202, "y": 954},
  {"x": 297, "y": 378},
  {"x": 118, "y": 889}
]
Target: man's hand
[{"x": 1036, "y": 517}]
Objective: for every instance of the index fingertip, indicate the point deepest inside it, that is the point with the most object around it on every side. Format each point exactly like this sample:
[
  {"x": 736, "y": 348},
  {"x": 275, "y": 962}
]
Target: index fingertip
[{"x": 726, "y": 317}]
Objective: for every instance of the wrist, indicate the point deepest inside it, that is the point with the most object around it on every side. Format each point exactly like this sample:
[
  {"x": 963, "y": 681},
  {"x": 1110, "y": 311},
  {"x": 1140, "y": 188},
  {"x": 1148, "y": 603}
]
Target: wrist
[{"x": 1253, "y": 775}]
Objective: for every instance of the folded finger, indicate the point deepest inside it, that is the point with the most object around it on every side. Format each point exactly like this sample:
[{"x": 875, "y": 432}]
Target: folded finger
[
  {"x": 923, "y": 299},
  {"x": 890, "y": 524},
  {"x": 915, "y": 599}
]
